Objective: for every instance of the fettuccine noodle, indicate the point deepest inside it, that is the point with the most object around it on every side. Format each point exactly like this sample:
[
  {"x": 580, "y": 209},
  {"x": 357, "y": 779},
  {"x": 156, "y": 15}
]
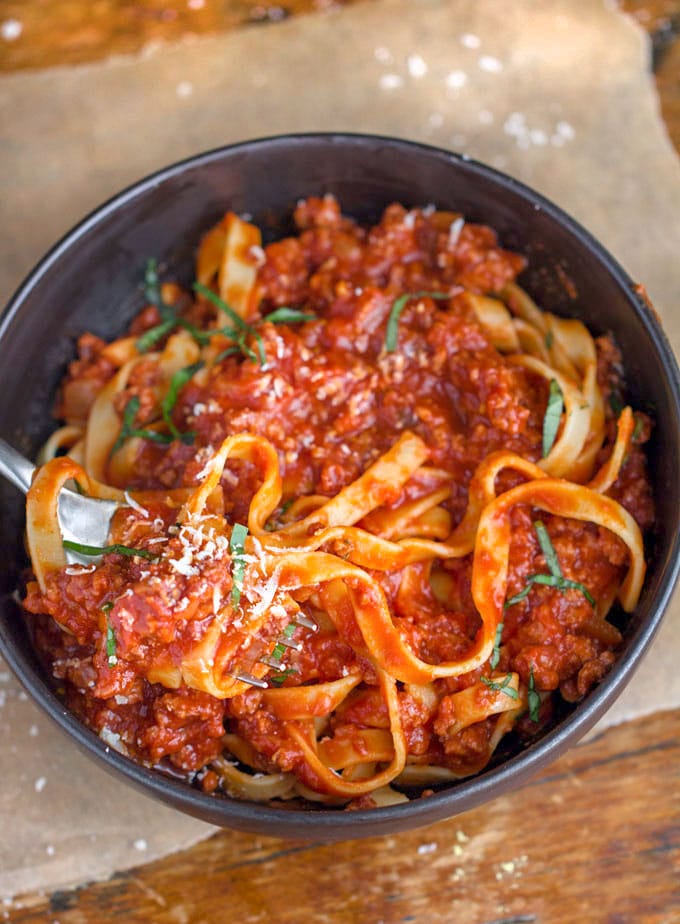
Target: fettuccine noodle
[{"x": 376, "y": 509}]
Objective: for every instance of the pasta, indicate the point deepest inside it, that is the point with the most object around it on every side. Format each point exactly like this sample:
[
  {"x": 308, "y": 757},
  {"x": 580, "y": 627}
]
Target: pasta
[{"x": 376, "y": 512}]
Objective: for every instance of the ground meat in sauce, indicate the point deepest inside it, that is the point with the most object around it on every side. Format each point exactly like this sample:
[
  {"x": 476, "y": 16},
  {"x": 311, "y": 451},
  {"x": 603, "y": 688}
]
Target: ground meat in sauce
[{"x": 331, "y": 401}]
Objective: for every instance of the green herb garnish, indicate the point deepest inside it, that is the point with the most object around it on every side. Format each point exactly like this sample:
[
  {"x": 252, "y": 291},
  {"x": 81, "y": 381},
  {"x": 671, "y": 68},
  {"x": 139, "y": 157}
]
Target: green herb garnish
[
  {"x": 553, "y": 415},
  {"x": 128, "y": 429},
  {"x": 279, "y": 649},
  {"x": 616, "y": 404},
  {"x": 285, "y": 315},
  {"x": 637, "y": 430},
  {"x": 110, "y": 636},
  {"x": 547, "y": 548},
  {"x": 501, "y": 687},
  {"x": 238, "y": 561},
  {"x": 230, "y": 351},
  {"x": 392, "y": 333},
  {"x": 555, "y": 578},
  {"x": 82, "y": 549},
  {"x": 152, "y": 289},
  {"x": 154, "y": 334},
  {"x": 549, "y": 339},
  {"x": 245, "y": 329},
  {"x": 496, "y": 653},
  {"x": 278, "y": 679},
  {"x": 533, "y": 699},
  {"x": 177, "y": 382},
  {"x": 271, "y": 525}
]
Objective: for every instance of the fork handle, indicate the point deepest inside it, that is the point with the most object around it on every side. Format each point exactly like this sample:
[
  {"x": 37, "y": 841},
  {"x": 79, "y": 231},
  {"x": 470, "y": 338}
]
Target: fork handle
[{"x": 15, "y": 467}]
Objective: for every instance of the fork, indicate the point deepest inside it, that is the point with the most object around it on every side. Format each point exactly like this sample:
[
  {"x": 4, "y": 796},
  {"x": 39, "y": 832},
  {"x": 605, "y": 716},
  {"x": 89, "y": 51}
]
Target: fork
[{"x": 87, "y": 521}]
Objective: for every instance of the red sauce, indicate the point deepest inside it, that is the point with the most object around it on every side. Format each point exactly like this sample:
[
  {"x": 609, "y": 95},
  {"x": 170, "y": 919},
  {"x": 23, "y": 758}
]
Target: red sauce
[{"x": 331, "y": 401}]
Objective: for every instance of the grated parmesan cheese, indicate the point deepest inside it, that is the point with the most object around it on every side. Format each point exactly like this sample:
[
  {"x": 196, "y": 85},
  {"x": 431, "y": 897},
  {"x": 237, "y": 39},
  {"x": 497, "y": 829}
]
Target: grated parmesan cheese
[{"x": 131, "y": 502}]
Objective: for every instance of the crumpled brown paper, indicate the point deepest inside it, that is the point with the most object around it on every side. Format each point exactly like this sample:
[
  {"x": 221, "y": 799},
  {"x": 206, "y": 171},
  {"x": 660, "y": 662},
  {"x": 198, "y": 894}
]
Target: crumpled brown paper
[{"x": 556, "y": 94}]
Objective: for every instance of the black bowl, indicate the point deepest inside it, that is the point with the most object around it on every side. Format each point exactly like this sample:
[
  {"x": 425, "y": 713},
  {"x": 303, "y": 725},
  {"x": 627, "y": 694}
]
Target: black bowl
[{"x": 90, "y": 281}]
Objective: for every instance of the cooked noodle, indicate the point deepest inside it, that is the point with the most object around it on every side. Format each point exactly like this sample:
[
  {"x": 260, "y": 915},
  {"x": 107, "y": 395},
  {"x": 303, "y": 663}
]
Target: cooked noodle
[{"x": 439, "y": 523}]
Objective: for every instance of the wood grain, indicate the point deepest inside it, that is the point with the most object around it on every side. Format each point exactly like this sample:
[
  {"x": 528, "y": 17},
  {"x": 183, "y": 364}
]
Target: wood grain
[
  {"x": 63, "y": 32},
  {"x": 594, "y": 838}
]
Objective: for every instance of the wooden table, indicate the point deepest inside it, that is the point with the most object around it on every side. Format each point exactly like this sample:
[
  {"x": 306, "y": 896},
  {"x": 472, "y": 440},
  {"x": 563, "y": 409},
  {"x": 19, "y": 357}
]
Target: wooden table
[{"x": 568, "y": 847}]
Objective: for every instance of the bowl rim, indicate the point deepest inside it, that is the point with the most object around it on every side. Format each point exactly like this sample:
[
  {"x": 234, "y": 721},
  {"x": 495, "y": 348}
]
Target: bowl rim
[{"x": 471, "y": 791}]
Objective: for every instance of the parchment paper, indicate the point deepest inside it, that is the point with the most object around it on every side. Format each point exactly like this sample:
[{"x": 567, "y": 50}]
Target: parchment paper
[{"x": 557, "y": 94}]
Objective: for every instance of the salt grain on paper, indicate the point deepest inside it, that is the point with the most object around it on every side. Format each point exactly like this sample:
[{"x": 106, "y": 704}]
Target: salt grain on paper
[
  {"x": 140, "y": 844},
  {"x": 11, "y": 29},
  {"x": 49, "y": 850},
  {"x": 184, "y": 89},
  {"x": 490, "y": 64},
  {"x": 40, "y": 784},
  {"x": 391, "y": 82},
  {"x": 383, "y": 55},
  {"x": 470, "y": 41},
  {"x": 456, "y": 79},
  {"x": 417, "y": 67},
  {"x": 565, "y": 130}
]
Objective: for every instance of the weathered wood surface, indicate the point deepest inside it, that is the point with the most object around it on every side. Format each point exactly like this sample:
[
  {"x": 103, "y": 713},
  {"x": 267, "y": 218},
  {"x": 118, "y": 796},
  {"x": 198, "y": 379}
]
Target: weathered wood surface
[
  {"x": 73, "y": 31},
  {"x": 594, "y": 838}
]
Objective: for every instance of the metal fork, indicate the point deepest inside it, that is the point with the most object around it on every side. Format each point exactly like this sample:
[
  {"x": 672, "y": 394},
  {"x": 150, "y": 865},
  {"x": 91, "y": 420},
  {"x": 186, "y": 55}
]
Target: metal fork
[{"x": 87, "y": 521}]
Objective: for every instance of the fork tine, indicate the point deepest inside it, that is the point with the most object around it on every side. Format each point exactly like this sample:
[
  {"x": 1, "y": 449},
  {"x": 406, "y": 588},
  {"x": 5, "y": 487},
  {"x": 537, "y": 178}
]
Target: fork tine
[
  {"x": 271, "y": 662},
  {"x": 253, "y": 681},
  {"x": 301, "y": 620},
  {"x": 289, "y": 643}
]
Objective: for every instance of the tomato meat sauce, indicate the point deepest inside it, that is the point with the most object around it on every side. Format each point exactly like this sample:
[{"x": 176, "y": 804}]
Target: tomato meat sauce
[{"x": 331, "y": 400}]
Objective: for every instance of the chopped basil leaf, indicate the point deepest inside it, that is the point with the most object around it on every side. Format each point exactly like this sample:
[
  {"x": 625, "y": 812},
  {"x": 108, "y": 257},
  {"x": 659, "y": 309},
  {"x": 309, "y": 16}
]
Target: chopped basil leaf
[
  {"x": 392, "y": 333},
  {"x": 127, "y": 429},
  {"x": 550, "y": 580},
  {"x": 238, "y": 562},
  {"x": 547, "y": 548},
  {"x": 272, "y": 525},
  {"x": 496, "y": 653},
  {"x": 553, "y": 415},
  {"x": 522, "y": 595},
  {"x": 533, "y": 699},
  {"x": 110, "y": 637},
  {"x": 129, "y": 415},
  {"x": 279, "y": 649},
  {"x": 502, "y": 687},
  {"x": 278, "y": 679},
  {"x": 152, "y": 290},
  {"x": 245, "y": 328},
  {"x": 230, "y": 351},
  {"x": 562, "y": 583},
  {"x": 154, "y": 334},
  {"x": 616, "y": 404},
  {"x": 83, "y": 549},
  {"x": 177, "y": 382},
  {"x": 637, "y": 430},
  {"x": 285, "y": 315},
  {"x": 555, "y": 578},
  {"x": 222, "y": 306}
]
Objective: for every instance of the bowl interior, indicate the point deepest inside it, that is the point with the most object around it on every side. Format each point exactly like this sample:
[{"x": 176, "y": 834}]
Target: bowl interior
[{"x": 91, "y": 281}]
